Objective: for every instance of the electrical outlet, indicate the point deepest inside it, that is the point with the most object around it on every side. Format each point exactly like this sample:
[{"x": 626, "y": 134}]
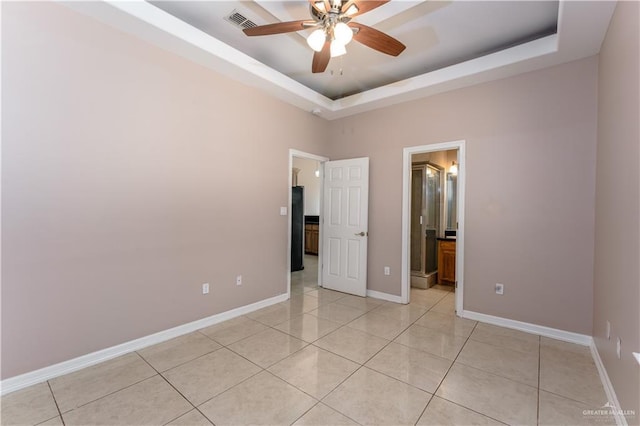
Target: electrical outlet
[
  {"x": 239, "y": 280},
  {"x": 608, "y": 330},
  {"x": 499, "y": 288},
  {"x": 205, "y": 288},
  {"x": 387, "y": 270},
  {"x": 619, "y": 348}
]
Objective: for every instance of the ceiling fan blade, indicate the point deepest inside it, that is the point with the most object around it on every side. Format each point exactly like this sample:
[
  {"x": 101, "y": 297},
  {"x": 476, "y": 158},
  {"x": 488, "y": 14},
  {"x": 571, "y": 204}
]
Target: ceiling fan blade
[
  {"x": 377, "y": 40},
  {"x": 363, "y": 6},
  {"x": 279, "y": 28},
  {"x": 321, "y": 59}
]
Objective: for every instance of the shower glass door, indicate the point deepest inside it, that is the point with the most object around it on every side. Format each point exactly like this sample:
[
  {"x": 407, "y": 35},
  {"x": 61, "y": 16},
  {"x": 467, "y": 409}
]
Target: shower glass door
[
  {"x": 417, "y": 206},
  {"x": 432, "y": 207},
  {"x": 425, "y": 218}
]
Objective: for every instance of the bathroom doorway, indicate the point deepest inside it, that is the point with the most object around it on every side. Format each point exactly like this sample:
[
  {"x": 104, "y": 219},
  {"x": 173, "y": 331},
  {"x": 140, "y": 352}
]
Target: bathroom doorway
[{"x": 433, "y": 218}]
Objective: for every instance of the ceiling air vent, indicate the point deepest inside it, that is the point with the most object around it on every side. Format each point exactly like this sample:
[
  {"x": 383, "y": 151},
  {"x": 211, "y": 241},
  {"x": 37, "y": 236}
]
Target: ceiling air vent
[{"x": 239, "y": 20}]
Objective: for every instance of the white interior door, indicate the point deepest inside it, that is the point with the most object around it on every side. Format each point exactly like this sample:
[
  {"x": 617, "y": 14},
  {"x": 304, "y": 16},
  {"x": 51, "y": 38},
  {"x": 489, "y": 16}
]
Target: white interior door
[{"x": 345, "y": 230}]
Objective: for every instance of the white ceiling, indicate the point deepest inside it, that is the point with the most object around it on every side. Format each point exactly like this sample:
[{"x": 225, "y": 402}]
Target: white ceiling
[{"x": 450, "y": 44}]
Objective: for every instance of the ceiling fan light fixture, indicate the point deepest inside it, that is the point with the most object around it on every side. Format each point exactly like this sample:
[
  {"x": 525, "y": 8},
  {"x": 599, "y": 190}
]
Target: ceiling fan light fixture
[
  {"x": 319, "y": 5},
  {"x": 316, "y": 40},
  {"x": 343, "y": 33},
  {"x": 337, "y": 48}
]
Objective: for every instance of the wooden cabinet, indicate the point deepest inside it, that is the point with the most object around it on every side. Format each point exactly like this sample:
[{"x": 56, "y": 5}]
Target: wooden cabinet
[
  {"x": 311, "y": 236},
  {"x": 446, "y": 261}
]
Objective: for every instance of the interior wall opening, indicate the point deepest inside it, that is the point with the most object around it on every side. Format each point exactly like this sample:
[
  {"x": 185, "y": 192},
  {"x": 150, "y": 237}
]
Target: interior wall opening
[
  {"x": 433, "y": 223},
  {"x": 305, "y": 212},
  {"x": 433, "y": 220}
]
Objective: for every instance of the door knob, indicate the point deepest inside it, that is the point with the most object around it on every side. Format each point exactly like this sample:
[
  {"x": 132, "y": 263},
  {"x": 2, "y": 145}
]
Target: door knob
[{"x": 361, "y": 234}]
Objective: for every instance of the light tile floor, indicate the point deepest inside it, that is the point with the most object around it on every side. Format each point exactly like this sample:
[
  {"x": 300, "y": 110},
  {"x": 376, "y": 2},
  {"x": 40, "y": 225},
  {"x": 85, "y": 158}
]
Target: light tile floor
[{"x": 326, "y": 358}]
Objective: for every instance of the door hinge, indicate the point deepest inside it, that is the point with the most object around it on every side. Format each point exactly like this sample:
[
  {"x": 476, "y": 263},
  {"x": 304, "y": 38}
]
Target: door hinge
[{"x": 456, "y": 284}]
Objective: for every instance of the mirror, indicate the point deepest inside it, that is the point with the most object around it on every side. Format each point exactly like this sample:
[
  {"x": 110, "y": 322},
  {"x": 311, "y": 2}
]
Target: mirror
[{"x": 452, "y": 197}]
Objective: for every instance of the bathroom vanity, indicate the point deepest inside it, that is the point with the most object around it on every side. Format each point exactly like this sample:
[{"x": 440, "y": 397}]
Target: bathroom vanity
[{"x": 446, "y": 261}]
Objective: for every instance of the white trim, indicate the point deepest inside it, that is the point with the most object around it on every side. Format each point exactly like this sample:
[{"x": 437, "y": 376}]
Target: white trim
[
  {"x": 384, "y": 296},
  {"x": 322, "y": 160},
  {"x": 38, "y": 376},
  {"x": 554, "y": 333},
  {"x": 608, "y": 386},
  {"x": 460, "y": 234},
  {"x": 406, "y": 212}
]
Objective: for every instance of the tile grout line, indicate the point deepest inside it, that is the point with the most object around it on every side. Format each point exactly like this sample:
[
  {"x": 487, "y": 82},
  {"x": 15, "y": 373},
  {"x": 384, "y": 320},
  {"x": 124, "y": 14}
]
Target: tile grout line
[
  {"x": 486, "y": 372},
  {"x": 262, "y": 369},
  {"x": 374, "y": 355},
  {"x": 357, "y": 369},
  {"x": 186, "y": 362},
  {"x": 174, "y": 388},
  {"x": 218, "y": 394},
  {"x": 433, "y": 395},
  {"x": 472, "y": 410},
  {"x": 450, "y": 367},
  {"x": 56, "y": 402},
  {"x": 111, "y": 393},
  {"x": 331, "y": 408},
  {"x": 227, "y": 390},
  {"x": 539, "y": 370}
]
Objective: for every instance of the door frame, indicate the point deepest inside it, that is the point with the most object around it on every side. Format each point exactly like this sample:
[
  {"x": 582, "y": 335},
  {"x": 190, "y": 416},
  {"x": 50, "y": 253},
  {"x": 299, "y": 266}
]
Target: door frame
[
  {"x": 321, "y": 160},
  {"x": 406, "y": 216}
]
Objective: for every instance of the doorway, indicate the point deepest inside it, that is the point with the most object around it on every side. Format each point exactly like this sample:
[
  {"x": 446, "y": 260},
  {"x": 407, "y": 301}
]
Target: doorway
[
  {"x": 306, "y": 173},
  {"x": 432, "y": 217}
]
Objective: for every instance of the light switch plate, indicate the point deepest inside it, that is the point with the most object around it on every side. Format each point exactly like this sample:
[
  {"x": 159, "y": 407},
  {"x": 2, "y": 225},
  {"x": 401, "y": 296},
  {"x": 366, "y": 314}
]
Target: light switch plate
[{"x": 283, "y": 211}]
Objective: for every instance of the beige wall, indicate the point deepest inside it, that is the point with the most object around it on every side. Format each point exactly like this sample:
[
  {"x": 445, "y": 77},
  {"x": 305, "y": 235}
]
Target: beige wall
[
  {"x": 530, "y": 189},
  {"x": 129, "y": 178},
  {"x": 617, "y": 236}
]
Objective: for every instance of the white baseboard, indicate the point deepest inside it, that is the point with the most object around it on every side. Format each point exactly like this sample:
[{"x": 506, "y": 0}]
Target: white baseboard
[
  {"x": 34, "y": 377},
  {"x": 554, "y": 333},
  {"x": 384, "y": 296},
  {"x": 621, "y": 420}
]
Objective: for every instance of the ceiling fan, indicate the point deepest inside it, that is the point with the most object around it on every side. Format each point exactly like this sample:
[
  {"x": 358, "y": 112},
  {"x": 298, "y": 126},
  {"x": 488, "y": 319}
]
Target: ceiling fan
[{"x": 334, "y": 29}]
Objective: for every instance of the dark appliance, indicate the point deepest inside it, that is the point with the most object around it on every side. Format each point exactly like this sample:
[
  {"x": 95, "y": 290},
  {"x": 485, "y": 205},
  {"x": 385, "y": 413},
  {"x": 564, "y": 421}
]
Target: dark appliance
[{"x": 297, "y": 228}]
